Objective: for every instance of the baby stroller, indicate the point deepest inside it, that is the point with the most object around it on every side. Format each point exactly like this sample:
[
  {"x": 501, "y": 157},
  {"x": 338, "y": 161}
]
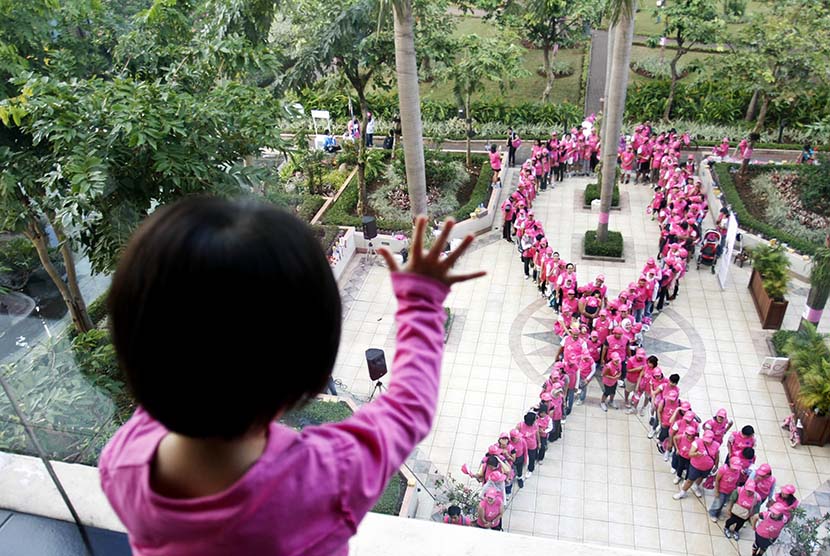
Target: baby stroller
[{"x": 709, "y": 250}]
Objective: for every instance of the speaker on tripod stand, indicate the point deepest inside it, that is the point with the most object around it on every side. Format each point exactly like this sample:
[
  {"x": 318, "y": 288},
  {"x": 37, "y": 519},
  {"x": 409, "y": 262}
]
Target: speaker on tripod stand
[{"x": 376, "y": 361}]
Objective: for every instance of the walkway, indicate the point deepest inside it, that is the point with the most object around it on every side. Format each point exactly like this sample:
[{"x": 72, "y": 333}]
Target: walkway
[
  {"x": 603, "y": 483},
  {"x": 596, "y": 72}
]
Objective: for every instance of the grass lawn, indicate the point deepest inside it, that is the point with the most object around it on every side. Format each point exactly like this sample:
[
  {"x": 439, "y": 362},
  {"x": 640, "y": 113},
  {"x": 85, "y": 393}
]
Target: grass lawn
[
  {"x": 527, "y": 89},
  {"x": 640, "y": 52},
  {"x": 645, "y": 24}
]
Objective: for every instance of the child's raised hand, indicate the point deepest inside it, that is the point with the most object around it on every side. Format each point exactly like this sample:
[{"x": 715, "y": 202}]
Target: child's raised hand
[{"x": 430, "y": 263}]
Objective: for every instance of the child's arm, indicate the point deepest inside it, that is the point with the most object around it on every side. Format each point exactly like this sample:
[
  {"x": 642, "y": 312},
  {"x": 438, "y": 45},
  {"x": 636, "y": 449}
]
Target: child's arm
[{"x": 373, "y": 443}]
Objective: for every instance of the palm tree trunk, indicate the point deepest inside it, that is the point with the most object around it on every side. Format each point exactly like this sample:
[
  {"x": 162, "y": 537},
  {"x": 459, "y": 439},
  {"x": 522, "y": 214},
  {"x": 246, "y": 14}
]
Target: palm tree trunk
[
  {"x": 614, "y": 109},
  {"x": 409, "y": 100},
  {"x": 609, "y": 61},
  {"x": 362, "y": 200},
  {"x": 469, "y": 119},
  {"x": 816, "y": 301}
]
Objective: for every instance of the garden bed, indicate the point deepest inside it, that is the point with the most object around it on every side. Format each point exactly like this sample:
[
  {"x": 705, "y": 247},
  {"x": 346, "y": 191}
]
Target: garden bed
[
  {"x": 611, "y": 250},
  {"x": 752, "y": 207},
  {"x": 318, "y": 412},
  {"x": 592, "y": 193}
]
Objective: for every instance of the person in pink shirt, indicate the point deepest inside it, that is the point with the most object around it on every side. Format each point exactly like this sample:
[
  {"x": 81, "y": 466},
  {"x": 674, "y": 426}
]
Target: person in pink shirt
[
  {"x": 557, "y": 412},
  {"x": 495, "y": 165},
  {"x": 490, "y": 510},
  {"x": 665, "y": 409},
  {"x": 453, "y": 516},
  {"x": 603, "y": 327},
  {"x": 572, "y": 372},
  {"x": 768, "y": 528},
  {"x": 742, "y": 503},
  {"x": 682, "y": 450},
  {"x": 611, "y": 373},
  {"x": 634, "y": 369},
  {"x": 641, "y": 390},
  {"x": 786, "y": 497},
  {"x": 764, "y": 482},
  {"x": 530, "y": 432},
  {"x": 587, "y": 368},
  {"x": 617, "y": 343},
  {"x": 200, "y": 468},
  {"x": 519, "y": 445},
  {"x": 726, "y": 482},
  {"x": 738, "y": 440},
  {"x": 545, "y": 424},
  {"x": 703, "y": 457},
  {"x": 509, "y": 214}
]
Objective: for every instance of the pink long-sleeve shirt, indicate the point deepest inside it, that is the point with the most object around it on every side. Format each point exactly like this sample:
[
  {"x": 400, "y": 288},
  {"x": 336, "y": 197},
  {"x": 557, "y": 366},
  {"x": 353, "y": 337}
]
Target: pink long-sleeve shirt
[{"x": 309, "y": 490}]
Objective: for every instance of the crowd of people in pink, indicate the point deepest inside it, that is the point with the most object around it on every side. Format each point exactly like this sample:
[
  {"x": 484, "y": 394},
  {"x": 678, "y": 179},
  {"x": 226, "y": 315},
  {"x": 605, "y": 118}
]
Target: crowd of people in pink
[{"x": 603, "y": 341}]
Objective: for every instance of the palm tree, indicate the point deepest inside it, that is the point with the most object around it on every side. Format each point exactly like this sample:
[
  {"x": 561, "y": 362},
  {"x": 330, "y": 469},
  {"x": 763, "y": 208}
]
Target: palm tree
[
  {"x": 622, "y": 19},
  {"x": 819, "y": 286},
  {"x": 409, "y": 101}
]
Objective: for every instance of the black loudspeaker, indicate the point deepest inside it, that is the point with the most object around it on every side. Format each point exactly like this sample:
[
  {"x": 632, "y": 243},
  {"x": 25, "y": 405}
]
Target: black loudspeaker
[
  {"x": 370, "y": 227},
  {"x": 376, "y": 361}
]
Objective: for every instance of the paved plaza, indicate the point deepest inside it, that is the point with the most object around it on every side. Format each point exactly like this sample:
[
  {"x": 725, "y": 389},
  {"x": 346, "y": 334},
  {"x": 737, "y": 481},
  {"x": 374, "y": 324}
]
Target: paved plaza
[{"x": 603, "y": 482}]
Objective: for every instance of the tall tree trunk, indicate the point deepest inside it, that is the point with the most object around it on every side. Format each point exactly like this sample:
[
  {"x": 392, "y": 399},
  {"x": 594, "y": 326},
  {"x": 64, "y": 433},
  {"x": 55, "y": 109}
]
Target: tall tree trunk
[
  {"x": 74, "y": 301},
  {"x": 609, "y": 61},
  {"x": 816, "y": 301},
  {"x": 548, "y": 72},
  {"x": 469, "y": 117},
  {"x": 819, "y": 290},
  {"x": 753, "y": 106},
  {"x": 362, "y": 200},
  {"x": 762, "y": 115},
  {"x": 72, "y": 277},
  {"x": 673, "y": 88},
  {"x": 615, "y": 107},
  {"x": 409, "y": 101}
]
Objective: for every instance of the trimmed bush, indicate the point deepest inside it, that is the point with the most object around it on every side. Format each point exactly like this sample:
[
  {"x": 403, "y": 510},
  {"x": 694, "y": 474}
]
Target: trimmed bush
[
  {"x": 611, "y": 248},
  {"x": 592, "y": 192},
  {"x": 747, "y": 220},
  {"x": 481, "y": 190}
]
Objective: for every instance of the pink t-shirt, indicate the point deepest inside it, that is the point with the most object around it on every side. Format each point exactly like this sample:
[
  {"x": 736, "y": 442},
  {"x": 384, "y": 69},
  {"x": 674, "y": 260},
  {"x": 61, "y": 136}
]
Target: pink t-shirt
[
  {"x": 495, "y": 161},
  {"x": 739, "y": 442},
  {"x": 764, "y": 485},
  {"x": 719, "y": 429},
  {"x": 668, "y": 411},
  {"x": 728, "y": 479},
  {"x": 529, "y": 434},
  {"x": 634, "y": 367},
  {"x": 611, "y": 373},
  {"x": 519, "y": 445},
  {"x": 684, "y": 446},
  {"x": 705, "y": 460},
  {"x": 308, "y": 490},
  {"x": 770, "y": 528},
  {"x": 555, "y": 410}
]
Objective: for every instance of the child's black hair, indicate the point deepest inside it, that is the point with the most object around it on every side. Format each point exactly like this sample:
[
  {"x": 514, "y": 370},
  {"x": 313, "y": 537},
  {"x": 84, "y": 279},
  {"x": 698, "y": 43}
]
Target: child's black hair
[
  {"x": 530, "y": 418},
  {"x": 747, "y": 430},
  {"x": 223, "y": 314},
  {"x": 543, "y": 408},
  {"x": 674, "y": 378},
  {"x": 454, "y": 511},
  {"x": 493, "y": 148},
  {"x": 748, "y": 453},
  {"x": 493, "y": 461}
]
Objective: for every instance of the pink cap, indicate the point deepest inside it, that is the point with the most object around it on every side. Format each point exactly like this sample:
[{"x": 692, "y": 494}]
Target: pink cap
[
  {"x": 685, "y": 406},
  {"x": 504, "y": 435},
  {"x": 603, "y": 313},
  {"x": 557, "y": 385},
  {"x": 672, "y": 395},
  {"x": 735, "y": 465},
  {"x": 494, "y": 449},
  {"x": 618, "y": 330},
  {"x": 721, "y": 413},
  {"x": 764, "y": 469},
  {"x": 658, "y": 372},
  {"x": 641, "y": 352},
  {"x": 750, "y": 485},
  {"x": 650, "y": 262},
  {"x": 788, "y": 489},
  {"x": 515, "y": 433},
  {"x": 691, "y": 157},
  {"x": 492, "y": 492},
  {"x": 545, "y": 397},
  {"x": 615, "y": 356},
  {"x": 601, "y": 277},
  {"x": 689, "y": 416},
  {"x": 691, "y": 431},
  {"x": 778, "y": 508},
  {"x": 594, "y": 334},
  {"x": 497, "y": 476},
  {"x": 708, "y": 436}
]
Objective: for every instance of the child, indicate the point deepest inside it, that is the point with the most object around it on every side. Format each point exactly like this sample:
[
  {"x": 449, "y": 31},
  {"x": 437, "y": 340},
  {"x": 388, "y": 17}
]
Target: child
[
  {"x": 200, "y": 468},
  {"x": 611, "y": 373},
  {"x": 741, "y": 505},
  {"x": 726, "y": 481},
  {"x": 495, "y": 164}
]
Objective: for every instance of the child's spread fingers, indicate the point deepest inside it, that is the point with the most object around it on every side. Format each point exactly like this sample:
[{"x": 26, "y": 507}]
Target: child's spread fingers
[
  {"x": 458, "y": 251},
  {"x": 439, "y": 244},
  {"x": 390, "y": 260},
  {"x": 464, "y": 277},
  {"x": 418, "y": 237}
]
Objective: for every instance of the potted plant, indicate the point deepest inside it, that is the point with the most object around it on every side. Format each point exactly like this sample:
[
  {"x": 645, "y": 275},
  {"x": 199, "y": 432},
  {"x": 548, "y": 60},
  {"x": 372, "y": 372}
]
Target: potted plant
[
  {"x": 803, "y": 536},
  {"x": 768, "y": 284},
  {"x": 807, "y": 383}
]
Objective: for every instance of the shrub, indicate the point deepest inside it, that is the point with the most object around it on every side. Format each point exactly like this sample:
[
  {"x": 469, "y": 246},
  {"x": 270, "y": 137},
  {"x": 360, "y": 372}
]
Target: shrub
[
  {"x": 654, "y": 67},
  {"x": 814, "y": 184},
  {"x": 560, "y": 68},
  {"x": 810, "y": 359},
  {"x": 481, "y": 190},
  {"x": 611, "y": 248},
  {"x": 784, "y": 210},
  {"x": 779, "y": 340},
  {"x": 19, "y": 259},
  {"x": 773, "y": 265},
  {"x": 309, "y": 206},
  {"x": 98, "y": 309},
  {"x": 592, "y": 192},
  {"x": 748, "y": 221}
]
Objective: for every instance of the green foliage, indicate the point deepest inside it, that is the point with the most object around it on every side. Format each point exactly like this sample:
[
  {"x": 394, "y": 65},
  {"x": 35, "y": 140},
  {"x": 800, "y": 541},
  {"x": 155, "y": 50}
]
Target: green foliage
[
  {"x": 810, "y": 359},
  {"x": 773, "y": 265},
  {"x": 453, "y": 493},
  {"x": 481, "y": 191},
  {"x": 592, "y": 192},
  {"x": 780, "y": 339},
  {"x": 748, "y": 221},
  {"x": 654, "y": 67},
  {"x": 98, "y": 308},
  {"x": 783, "y": 214},
  {"x": 19, "y": 259},
  {"x": 814, "y": 182},
  {"x": 805, "y": 536},
  {"x": 327, "y": 236},
  {"x": 613, "y": 247},
  {"x": 734, "y": 8},
  {"x": 389, "y": 502}
]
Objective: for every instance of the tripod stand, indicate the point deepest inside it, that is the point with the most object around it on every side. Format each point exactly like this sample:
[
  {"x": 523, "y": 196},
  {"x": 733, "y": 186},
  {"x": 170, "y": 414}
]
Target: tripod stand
[
  {"x": 370, "y": 256},
  {"x": 379, "y": 387}
]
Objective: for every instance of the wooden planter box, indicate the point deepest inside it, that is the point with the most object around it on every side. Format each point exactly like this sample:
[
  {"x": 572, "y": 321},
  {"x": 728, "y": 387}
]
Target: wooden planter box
[
  {"x": 816, "y": 431},
  {"x": 770, "y": 312}
]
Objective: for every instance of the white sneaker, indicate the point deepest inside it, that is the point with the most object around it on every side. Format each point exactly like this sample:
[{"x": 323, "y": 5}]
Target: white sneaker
[
  {"x": 529, "y": 475},
  {"x": 642, "y": 412},
  {"x": 564, "y": 420},
  {"x": 697, "y": 490},
  {"x": 603, "y": 406},
  {"x": 676, "y": 479},
  {"x": 713, "y": 518},
  {"x": 665, "y": 456},
  {"x": 651, "y": 433},
  {"x": 680, "y": 495},
  {"x": 579, "y": 402},
  {"x": 614, "y": 405}
]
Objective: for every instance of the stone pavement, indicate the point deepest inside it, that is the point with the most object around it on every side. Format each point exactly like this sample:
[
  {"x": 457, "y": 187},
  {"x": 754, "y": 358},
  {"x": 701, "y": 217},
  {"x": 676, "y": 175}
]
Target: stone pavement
[{"x": 603, "y": 483}]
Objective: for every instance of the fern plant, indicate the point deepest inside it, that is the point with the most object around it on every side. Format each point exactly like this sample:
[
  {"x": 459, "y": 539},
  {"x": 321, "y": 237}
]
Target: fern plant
[
  {"x": 810, "y": 359},
  {"x": 772, "y": 264}
]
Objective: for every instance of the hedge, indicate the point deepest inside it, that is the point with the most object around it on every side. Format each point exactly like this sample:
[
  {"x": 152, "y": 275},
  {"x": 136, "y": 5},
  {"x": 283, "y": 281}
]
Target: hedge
[
  {"x": 611, "y": 248},
  {"x": 779, "y": 341},
  {"x": 747, "y": 221},
  {"x": 592, "y": 192},
  {"x": 481, "y": 191}
]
